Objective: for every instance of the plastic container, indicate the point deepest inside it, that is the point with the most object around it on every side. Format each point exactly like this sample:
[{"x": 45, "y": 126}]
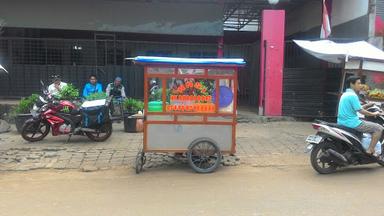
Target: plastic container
[{"x": 155, "y": 106}]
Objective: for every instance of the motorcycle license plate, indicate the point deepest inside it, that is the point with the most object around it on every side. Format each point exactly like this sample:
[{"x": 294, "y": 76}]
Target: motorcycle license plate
[{"x": 314, "y": 139}]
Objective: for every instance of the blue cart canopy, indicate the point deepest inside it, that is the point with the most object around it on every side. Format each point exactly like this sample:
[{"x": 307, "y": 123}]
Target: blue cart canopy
[{"x": 225, "y": 62}]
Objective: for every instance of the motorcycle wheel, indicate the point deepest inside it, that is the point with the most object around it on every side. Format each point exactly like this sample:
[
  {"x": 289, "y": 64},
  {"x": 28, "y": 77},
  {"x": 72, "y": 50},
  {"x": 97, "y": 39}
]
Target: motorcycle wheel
[
  {"x": 317, "y": 164},
  {"x": 103, "y": 133},
  {"x": 31, "y": 129}
]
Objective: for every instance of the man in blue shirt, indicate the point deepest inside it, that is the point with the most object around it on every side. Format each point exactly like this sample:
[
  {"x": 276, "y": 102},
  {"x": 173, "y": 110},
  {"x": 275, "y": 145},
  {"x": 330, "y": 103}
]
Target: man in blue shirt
[
  {"x": 347, "y": 114},
  {"x": 92, "y": 86}
]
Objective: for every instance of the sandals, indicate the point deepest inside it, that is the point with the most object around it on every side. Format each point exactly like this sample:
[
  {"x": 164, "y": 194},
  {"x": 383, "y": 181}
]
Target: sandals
[{"x": 373, "y": 154}]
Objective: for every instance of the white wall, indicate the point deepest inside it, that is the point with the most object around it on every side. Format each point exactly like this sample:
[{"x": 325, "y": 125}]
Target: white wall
[
  {"x": 309, "y": 15},
  {"x": 347, "y": 10},
  {"x": 114, "y": 15}
]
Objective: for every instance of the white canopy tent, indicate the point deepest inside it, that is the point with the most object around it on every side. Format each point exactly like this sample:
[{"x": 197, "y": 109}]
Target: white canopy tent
[
  {"x": 341, "y": 52},
  {"x": 358, "y": 58}
]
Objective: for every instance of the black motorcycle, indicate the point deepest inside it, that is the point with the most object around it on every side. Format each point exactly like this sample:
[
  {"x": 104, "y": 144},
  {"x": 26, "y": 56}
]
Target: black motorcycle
[{"x": 335, "y": 146}]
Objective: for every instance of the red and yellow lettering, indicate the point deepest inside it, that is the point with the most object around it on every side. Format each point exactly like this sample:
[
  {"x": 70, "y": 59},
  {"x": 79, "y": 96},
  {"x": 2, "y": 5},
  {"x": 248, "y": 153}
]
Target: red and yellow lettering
[{"x": 212, "y": 108}]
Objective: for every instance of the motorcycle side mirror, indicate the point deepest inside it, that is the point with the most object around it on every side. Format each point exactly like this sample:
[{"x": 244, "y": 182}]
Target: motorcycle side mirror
[
  {"x": 42, "y": 99},
  {"x": 43, "y": 89}
]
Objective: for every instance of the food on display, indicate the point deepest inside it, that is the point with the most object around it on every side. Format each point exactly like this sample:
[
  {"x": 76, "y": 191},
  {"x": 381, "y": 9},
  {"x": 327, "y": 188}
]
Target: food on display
[
  {"x": 376, "y": 94},
  {"x": 365, "y": 87}
]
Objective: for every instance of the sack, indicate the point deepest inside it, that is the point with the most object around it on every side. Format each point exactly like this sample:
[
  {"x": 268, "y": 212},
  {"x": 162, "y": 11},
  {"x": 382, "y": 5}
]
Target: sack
[
  {"x": 94, "y": 117},
  {"x": 366, "y": 141}
]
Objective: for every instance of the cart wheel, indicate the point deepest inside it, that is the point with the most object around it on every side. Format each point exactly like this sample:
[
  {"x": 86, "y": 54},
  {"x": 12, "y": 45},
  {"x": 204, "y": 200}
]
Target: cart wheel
[
  {"x": 204, "y": 155},
  {"x": 140, "y": 161}
]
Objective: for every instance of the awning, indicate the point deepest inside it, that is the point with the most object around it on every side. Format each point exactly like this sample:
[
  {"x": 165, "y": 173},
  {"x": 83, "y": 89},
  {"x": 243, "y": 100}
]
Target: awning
[
  {"x": 189, "y": 61},
  {"x": 340, "y": 52}
]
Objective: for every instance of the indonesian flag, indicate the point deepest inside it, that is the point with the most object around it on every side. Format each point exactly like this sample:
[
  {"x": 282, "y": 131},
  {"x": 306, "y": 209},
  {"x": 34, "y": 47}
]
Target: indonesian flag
[{"x": 326, "y": 23}]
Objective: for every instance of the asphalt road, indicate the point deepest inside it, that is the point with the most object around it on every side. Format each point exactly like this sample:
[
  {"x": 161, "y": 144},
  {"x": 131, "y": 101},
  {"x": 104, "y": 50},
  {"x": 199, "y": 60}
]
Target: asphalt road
[{"x": 244, "y": 190}]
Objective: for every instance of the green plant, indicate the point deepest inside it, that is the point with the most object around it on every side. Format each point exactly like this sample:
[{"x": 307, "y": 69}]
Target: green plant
[
  {"x": 26, "y": 104},
  {"x": 69, "y": 92},
  {"x": 133, "y": 105},
  {"x": 96, "y": 96},
  {"x": 157, "y": 95}
]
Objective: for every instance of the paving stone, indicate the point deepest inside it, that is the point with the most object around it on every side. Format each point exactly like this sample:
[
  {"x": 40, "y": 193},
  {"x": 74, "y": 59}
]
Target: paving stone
[
  {"x": 33, "y": 157},
  {"x": 50, "y": 154},
  {"x": 253, "y": 141},
  {"x": 89, "y": 168}
]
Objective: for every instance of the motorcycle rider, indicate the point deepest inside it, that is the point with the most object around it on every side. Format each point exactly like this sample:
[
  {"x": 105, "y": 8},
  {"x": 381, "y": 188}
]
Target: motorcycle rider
[{"x": 347, "y": 116}]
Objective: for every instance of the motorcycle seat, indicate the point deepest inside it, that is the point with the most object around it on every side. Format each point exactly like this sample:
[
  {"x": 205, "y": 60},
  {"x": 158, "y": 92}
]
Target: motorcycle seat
[
  {"x": 350, "y": 130},
  {"x": 75, "y": 112}
]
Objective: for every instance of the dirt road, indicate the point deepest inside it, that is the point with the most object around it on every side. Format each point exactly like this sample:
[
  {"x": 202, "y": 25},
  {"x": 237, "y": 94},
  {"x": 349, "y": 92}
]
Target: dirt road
[{"x": 243, "y": 190}]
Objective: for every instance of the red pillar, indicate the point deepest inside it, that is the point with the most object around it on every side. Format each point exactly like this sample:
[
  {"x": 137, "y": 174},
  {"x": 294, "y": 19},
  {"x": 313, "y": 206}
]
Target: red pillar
[{"x": 272, "y": 62}]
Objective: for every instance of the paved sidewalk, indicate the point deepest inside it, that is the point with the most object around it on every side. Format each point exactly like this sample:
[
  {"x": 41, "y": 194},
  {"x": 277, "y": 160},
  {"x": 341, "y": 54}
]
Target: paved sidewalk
[{"x": 258, "y": 144}]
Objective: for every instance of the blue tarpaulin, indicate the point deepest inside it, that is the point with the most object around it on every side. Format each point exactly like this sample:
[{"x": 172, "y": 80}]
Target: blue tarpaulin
[{"x": 189, "y": 61}]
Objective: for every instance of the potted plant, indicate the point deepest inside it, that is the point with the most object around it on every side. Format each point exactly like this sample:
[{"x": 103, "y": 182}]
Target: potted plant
[
  {"x": 22, "y": 111},
  {"x": 132, "y": 106}
]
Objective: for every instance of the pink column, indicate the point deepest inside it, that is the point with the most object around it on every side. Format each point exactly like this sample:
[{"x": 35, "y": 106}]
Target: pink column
[{"x": 271, "y": 62}]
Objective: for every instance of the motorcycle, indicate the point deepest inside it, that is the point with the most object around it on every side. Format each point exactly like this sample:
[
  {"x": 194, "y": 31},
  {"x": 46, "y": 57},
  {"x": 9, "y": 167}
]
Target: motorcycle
[
  {"x": 335, "y": 146},
  {"x": 65, "y": 118}
]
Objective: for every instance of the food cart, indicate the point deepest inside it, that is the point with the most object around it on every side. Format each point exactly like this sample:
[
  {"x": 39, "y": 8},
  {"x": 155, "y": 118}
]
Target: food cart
[{"x": 190, "y": 108}]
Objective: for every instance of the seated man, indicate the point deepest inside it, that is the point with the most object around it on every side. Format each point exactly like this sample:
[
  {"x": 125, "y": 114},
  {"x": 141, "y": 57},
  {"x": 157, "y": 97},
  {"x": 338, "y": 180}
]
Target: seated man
[
  {"x": 347, "y": 113},
  {"x": 56, "y": 86},
  {"x": 92, "y": 86},
  {"x": 116, "y": 89}
]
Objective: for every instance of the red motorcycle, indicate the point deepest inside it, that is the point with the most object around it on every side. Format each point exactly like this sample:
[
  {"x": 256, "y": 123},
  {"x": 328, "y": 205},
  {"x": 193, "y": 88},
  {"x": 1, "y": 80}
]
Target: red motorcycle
[{"x": 65, "y": 118}]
